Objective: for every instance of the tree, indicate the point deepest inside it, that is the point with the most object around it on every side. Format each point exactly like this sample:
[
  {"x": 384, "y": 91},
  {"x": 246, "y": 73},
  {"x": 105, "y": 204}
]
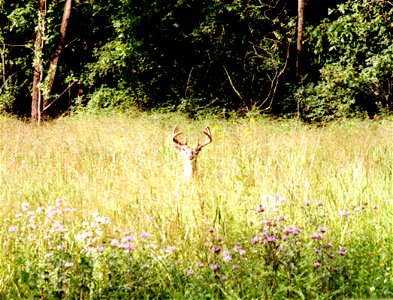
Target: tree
[
  {"x": 300, "y": 30},
  {"x": 353, "y": 50},
  {"x": 42, "y": 89}
]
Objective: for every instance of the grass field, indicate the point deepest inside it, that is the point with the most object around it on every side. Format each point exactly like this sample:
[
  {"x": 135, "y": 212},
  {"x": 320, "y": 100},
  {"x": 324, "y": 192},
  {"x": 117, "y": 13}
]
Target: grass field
[{"x": 96, "y": 208}]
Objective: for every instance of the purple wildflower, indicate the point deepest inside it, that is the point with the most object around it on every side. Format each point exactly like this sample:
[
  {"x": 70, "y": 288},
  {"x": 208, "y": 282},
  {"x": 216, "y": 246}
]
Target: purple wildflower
[
  {"x": 344, "y": 213},
  {"x": 200, "y": 265},
  {"x": 255, "y": 240},
  {"x": 25, "y": 206},
  {"x": 320, "y": 203},
  {"x": 190, "y": 272},
  {"x": 317, "y": 264},
  {"x": 269, "y": 239},
  {"x": 216, "y": 249},
  {"x": 214, "y": 267},
  {"x": 322, "y": 229},
  {"x": 342, "y": 251},
  {"x": 318, "y": 251},
  {"x": 13, "y": 228},
  {"x": 317, "y": 236},
  {"x": 144, "y": 235}
]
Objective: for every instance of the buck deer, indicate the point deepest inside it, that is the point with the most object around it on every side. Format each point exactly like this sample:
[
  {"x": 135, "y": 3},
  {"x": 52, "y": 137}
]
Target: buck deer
[{"x": 189, "y": 153}]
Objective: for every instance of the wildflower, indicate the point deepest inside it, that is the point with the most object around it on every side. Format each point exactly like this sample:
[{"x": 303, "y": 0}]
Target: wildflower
[
  {"x": 317, "y": 236},
  {"x": 128, "y": 247},
  {"x": 61, "y": 246},
  {"x": 322, "y": 229},
  {"x": 102, "y": 220},
  {"x": 169, "y": 249},
  {"x": 88, "y": 249},
  {"x": 211, "y": 229},
  {"x": 329, "y": 245},
  {"x": 145, "y": 266},
  {"x": 320, "y": 203},
  {"x": 19, "y": 215},
  {"x": 318, "y": 251},
  {"x": 200, "y": 265},
  {"x": 270, "y": 239},
  {"x": 126, "y": 239},
  {"x": 216, "y": 249},
  {"x": 214, "y": 267},
  {"x": 227, "y": 258},
  {"x": 235, "y": 267},
  {"x": 69, "y": 264},
  {"x": 225, "y": 252},
  {"x": 255, "y": 240},
  {"x": 223, "y": 277},
  {"x": 86, "y": 235},
  {"x": 281, "y": 218},
  {"x": 307, "y": 203},
  {"x": 344, "y": 213},
  {"x": 264, "y": 233},
  {"x": 242, "y": 252},
  {"x": 190, "y": 272},
  {"x": 114, "y": 243},
  {"x": 60, "y": 227},
  {"x": 13, "y": 228},
  {"x": 325, "y": 214},
  {"x": 100, "y": 249},
  {"x": 317, "y": 265},
  {"x": 25, "y": 206},
  {"x": 342, "y": 251},
  {"x": 144, "y": 235},
  {"x": 237, "y": 247},
  {"x": 293, "y": 230},
  {"x": 331, "y": 255}
]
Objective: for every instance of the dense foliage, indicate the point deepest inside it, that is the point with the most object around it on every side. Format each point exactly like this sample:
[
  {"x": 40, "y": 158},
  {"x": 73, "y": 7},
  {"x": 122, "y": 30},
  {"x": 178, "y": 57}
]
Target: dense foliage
[{"x": 191, "y": 55}]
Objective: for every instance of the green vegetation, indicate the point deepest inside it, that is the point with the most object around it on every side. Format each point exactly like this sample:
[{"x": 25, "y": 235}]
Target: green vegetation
[
  {"x": 96, "y": 208},
  {"x": 195, "y": 56}
]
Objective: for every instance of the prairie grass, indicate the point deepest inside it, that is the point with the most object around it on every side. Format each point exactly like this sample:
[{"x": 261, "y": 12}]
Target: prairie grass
[{"x": 96, "y": 207}]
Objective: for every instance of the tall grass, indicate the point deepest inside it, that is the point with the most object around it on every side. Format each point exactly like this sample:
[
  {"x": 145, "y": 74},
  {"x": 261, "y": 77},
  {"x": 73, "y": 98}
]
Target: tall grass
[{"x": 96, "y": 207}]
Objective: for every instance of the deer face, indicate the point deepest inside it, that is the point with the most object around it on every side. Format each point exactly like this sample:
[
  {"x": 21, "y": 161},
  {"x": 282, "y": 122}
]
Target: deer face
[{"x": 188, "y": 152}]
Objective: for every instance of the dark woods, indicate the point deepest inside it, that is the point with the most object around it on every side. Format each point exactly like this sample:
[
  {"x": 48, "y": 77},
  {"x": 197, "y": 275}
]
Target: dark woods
[{"x": 316, "y": 61}]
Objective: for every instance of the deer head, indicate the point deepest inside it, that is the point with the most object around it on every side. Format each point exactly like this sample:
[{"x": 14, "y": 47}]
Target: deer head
[{"x": 189, "y": 153}]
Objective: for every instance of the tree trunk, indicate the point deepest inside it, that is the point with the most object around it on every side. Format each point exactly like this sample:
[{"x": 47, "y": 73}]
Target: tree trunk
[
  {"x": 37, "y": 63},
  {"x": 55, "y": 56},
  {"x": 300, "y": 30}
]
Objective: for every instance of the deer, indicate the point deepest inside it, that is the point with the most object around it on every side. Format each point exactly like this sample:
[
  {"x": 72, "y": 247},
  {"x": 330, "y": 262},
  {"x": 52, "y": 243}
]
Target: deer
[{"x": 190, "y": 154}]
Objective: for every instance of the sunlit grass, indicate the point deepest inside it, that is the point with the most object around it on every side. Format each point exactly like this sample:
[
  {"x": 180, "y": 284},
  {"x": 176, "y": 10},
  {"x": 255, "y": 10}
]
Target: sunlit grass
[{"x": 337, "y": 178}]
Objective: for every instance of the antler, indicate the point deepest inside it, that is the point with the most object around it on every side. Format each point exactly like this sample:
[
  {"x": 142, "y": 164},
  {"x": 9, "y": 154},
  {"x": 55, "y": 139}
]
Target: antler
[
  {"x": 175, "y": 134},
  {"x": 208, "y": 139}
]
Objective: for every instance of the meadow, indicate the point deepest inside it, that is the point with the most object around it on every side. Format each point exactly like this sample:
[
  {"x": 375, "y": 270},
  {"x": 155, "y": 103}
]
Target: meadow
[{"x": 95, "y": 207}]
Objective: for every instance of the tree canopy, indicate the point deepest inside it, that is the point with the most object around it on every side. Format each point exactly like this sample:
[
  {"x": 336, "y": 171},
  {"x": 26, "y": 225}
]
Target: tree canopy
[{"x": 197, "y": 55}]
